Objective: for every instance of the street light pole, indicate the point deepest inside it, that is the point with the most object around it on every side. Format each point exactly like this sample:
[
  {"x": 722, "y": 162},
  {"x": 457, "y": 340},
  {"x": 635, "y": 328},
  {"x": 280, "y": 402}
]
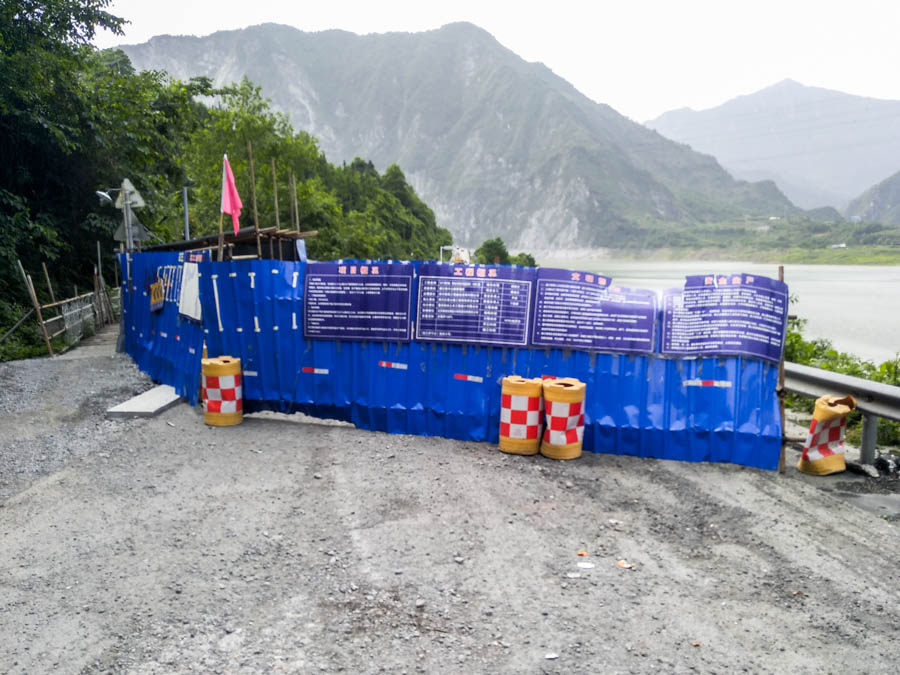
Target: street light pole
[{"x": 129, "y": 238}]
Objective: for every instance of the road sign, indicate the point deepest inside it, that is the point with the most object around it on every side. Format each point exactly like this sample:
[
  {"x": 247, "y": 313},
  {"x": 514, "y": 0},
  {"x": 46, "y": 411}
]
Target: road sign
[
  {"x": 139, "y": 231},
  {"x": 133, "y": 195}
]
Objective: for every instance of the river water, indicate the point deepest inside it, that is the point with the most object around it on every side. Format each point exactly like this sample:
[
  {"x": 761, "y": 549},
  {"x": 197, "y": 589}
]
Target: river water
[{"x": 857, "y": 307}]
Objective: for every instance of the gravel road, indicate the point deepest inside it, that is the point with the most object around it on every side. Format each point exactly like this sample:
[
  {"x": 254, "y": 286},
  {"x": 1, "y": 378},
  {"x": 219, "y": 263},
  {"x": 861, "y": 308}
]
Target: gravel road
[{"x": 294, "y": 545}]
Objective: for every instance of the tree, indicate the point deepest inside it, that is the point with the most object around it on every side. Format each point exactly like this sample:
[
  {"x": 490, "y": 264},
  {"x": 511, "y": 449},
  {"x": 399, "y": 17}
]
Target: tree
[
  {"x": 523, "y": 259},
  {"x": 492, "y": 251}
]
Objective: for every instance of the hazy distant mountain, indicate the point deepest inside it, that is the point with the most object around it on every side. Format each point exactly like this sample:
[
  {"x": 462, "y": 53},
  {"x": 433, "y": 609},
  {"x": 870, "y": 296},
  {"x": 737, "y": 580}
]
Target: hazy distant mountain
[
  {"x": 879, "y": 204},
  {"x": 496, "y": 145},
  {"x": 821, "y": 147}
]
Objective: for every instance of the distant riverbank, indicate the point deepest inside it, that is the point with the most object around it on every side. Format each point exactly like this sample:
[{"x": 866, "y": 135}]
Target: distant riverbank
[
  {"x": 853, "y": 255},
  {"x": 857, "y": 307}
]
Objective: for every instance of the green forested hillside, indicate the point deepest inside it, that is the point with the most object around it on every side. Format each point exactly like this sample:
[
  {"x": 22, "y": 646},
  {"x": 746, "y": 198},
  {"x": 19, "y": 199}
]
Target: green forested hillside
[
  {"x": 74, "y": 120},
  {"x": 880, "y": 203}
]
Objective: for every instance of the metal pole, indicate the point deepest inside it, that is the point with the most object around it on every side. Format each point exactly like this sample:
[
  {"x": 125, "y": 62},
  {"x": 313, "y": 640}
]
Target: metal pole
[
  {"x": 125, "y": 300},
  {"x": 869, "y": 436},
  {"x": 187, "y": 225},
  {"x": 129, "y": 240}
]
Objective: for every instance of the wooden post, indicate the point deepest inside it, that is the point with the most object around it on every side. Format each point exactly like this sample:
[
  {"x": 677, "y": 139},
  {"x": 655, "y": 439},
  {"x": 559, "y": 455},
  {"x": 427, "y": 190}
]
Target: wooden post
[
  {"x": 37, "y": 306},
  {"x": 780, "y": 391},
  {"x": 221, "y": 236},
  {"x": 295, "y": 217},
  {"x": 275, "y": 195},
  {"x": 253, "y": 198}
]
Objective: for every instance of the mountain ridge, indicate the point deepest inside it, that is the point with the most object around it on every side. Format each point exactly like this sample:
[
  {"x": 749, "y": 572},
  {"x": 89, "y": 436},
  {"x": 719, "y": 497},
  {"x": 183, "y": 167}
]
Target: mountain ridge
[
  {"x": 496, "y": 145},
  {"x": 821, "y": 146}
]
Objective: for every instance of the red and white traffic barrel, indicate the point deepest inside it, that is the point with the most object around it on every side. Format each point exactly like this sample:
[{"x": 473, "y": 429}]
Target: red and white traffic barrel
[
  {"x": 520, "y": 415},
  {"x": 222, "y": 391},
  {"x": 563, "y": 418}
]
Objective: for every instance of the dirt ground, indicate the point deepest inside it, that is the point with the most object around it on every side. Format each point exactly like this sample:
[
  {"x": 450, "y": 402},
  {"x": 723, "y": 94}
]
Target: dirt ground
[{"x": 294, "y": 545}]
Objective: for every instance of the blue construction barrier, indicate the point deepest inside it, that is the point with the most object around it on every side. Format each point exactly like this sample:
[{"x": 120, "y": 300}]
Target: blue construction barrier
[
  {"x": 164, "y": 345},
  {"x": 717, "y": 409}
]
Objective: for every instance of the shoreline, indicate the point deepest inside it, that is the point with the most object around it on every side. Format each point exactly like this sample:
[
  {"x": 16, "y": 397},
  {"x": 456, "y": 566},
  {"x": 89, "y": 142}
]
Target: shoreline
[{"x": 857, "y": 255}]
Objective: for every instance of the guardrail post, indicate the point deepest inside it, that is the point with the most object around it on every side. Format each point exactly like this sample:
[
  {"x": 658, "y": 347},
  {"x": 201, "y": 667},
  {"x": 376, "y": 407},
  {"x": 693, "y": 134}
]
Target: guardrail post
[{"x": 869, "y": 434}]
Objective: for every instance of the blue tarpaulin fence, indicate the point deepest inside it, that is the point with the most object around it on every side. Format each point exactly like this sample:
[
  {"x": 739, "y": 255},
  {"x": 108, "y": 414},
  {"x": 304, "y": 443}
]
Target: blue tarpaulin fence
[
  {"x": 164, "y": 345},
  {"x": 718, "y": 409}
]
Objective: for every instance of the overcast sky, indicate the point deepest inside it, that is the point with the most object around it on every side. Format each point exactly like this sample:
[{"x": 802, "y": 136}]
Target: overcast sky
[{"x": 642, "y": 57}]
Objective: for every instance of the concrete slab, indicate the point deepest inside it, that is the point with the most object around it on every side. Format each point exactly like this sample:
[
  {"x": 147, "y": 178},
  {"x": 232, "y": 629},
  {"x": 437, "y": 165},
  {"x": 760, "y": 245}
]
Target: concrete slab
[{"x": 148, "y": 404}]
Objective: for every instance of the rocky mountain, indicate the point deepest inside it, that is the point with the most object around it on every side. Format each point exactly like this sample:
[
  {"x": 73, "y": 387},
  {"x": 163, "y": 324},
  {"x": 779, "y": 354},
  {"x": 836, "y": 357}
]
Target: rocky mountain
[
  {"x": 495, "y": 145},
  {"x": 821, "y": 147},
  {"x": 878, "y": 204}
]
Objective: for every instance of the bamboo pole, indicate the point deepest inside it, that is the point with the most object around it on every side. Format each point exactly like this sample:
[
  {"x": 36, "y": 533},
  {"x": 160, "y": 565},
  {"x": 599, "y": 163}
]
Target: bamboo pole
[
  {"x": 47, "y": 279},
  {"x": 50, "y": 305},
  {"x": 295, "y": 217},
  {"x": 95, "y": 299},
  {"x": 781, "y": 458},
  {"x": 275, "y": 194},
  {"x": 37, "y": 306},
  {"x": 18, "y": 323},
  {"x": 253, "y": 198},
  {"x": 104, "y": 293},
  {"x": 49, "y": 285},
  {"x": 99, "y": 262},
  {"x": 100, "y": 284}
]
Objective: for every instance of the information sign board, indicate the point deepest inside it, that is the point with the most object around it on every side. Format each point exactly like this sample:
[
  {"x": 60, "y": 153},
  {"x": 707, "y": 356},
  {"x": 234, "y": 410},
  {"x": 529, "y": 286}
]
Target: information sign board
[
  {"x": 358, "y": 301},
  {"x": 728, "y": 314},
  {"x": 475, "y": 304},
  {"x": 581, "y": 310}
]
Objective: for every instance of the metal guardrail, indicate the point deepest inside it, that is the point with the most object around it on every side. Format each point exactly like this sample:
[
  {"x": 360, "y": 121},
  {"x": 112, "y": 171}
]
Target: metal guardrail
[{"x": 873, "y": 399}]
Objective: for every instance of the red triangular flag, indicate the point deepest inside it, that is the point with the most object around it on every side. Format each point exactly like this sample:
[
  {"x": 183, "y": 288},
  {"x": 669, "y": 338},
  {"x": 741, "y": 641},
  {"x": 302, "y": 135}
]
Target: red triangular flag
[{"x": 231, "y": 200}]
